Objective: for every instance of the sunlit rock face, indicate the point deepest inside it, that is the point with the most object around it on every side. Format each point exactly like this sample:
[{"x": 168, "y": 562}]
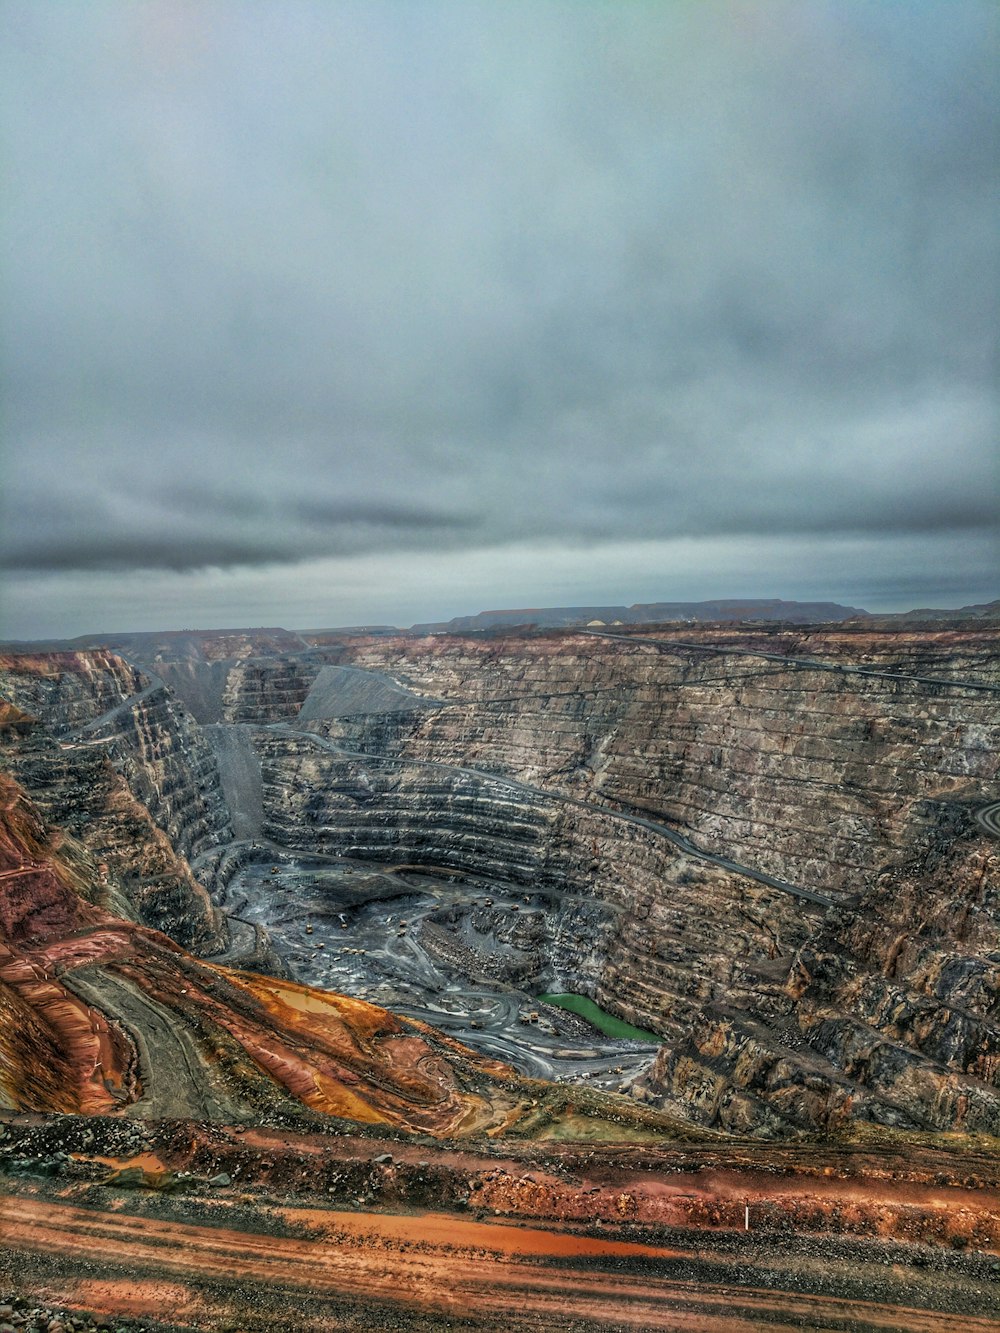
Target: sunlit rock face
[{"x": 68, "y": 689}]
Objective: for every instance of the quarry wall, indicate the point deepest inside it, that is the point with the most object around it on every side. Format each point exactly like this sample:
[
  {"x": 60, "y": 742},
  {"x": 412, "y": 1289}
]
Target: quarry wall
[{"x": 863, "y": 981}]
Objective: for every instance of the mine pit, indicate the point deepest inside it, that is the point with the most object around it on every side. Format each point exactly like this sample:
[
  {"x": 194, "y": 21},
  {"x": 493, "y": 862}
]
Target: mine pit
[
  {"x": 556, "y": 822},
  {"x": 468, "y": 957}
]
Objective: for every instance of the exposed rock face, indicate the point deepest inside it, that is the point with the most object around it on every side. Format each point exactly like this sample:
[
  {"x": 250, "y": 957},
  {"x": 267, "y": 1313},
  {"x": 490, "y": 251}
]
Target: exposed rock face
[
  {"x": 102, "y": 1014},
  {"x": 645, "y": 930},
  {"x": 267, "y": 691},
  {"x": 849, "y": 971},
  {"x": 856, "y": 784},
  {"x": 98, "y": 699},
  {"x": 134, "y": 782},
  {"x": 210, "y": 671},
  {"x": 67, "y": 689},
  {"x": 55, "y": 1053},
  {"x": 756, "y": 842},
  {"x": 812, "y": 775}
]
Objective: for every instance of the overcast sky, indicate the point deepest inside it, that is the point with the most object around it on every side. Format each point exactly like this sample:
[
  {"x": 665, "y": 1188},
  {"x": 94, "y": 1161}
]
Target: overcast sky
[{"x": 328, "y": 313}]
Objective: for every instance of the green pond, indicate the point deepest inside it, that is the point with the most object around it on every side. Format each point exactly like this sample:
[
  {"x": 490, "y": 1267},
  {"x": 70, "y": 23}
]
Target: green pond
[{"x": 599, "y": 1018}]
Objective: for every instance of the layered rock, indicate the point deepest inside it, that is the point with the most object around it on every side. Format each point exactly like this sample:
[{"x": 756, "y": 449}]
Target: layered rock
[
  {"x": 68, "y": 689},
  {"x": 214, "y": 1230},
  {"x": 810, "y": 775},
  {"x": 844, "y": 763},
  {"x": 631, "y": 920},
  {"x": 134, "y": 779},
  {"x": 170, "y": 767},
  {"x": 211, "y": 670},
  {"x": 139, "y": 872},
  {"x": 893, "y": 1013},
  {"x": 875, "y": 998},
  {"x": 55, "y": 1052},
  {"x": 723, "y": 834},
  {"x": 267, "y": 691},
  {"x": 102, "y": 1014}
]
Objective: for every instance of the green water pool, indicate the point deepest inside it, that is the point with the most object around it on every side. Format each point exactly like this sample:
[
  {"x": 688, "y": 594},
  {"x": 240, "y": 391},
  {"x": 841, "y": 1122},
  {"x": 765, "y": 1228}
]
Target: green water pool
[{"x": 599, "y": 1018}]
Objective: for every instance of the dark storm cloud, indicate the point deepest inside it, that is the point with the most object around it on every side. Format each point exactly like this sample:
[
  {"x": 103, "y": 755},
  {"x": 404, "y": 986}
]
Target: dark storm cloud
[
  {"x": 299, "y": 517},
  {"x": 188, "y": 530},
  {"x": 121, "y": 552},
  {"x": 331, "y": 513},
  {"x": 299, "y": 280}
]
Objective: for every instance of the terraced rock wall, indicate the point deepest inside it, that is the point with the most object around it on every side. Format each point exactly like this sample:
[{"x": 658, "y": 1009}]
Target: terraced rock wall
[
  {"x": 895, "y": 1012},
  {"x": 141, "y": 874},
  {"x": 170, "y": 766},
  {"x": 817, "y": 777},
  {"x": 99, "y": 1015},
  {"x": 131, "y": 775},
  {"x": 838, "y": 777},
  {"x": 643, "y": 929},
  {"x": 858, "y": 786},
  {"x": 67, "y": 690},
  {"x": 267, "y": 691}
]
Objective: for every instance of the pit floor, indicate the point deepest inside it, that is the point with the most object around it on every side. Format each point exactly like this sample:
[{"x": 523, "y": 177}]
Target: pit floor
[{"x": 421, "y": 942}]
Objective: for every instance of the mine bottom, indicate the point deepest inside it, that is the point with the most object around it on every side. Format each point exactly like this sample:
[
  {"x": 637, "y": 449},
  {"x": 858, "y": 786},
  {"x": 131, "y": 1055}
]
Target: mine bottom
[{"x": 465, "y": 954}]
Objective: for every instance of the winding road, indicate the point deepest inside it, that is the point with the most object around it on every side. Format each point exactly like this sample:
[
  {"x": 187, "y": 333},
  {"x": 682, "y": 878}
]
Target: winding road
[
  {"x": 335, "y": 938},
  {"x": 95, "y": 724},
  {"x": 166, "y": 1048},
  {"x": 403, "y": 962}
]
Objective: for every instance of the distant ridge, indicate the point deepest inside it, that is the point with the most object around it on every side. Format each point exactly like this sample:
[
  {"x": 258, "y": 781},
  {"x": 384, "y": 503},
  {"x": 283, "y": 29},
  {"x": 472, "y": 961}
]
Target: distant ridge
[
  {"x": 644, "y": 613},
  {"x": 217, "y": 644},
  {"x": 979, "y": 610}
]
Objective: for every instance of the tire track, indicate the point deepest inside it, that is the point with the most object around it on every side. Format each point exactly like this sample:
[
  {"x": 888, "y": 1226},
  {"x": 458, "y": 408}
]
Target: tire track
[{"x": 493, "y": 1275}]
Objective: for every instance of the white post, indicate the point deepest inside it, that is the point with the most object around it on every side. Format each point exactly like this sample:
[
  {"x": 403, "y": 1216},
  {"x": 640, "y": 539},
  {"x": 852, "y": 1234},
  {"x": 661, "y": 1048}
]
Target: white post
[{"x": 746, "y": 1218}]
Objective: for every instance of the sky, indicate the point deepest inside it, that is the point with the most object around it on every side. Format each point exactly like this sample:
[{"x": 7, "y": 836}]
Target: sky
[{"x": 319, "y": 314}]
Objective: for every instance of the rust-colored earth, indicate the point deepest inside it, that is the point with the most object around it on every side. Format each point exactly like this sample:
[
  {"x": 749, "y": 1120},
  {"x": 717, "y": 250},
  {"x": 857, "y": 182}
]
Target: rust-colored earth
[
  {"x": 189, "y": 1038},
  {"x": 347, "y": 1232}
]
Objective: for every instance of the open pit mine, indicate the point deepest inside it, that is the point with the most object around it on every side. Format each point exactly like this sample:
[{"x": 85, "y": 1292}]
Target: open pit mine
[{"x": 638, "y": 976}]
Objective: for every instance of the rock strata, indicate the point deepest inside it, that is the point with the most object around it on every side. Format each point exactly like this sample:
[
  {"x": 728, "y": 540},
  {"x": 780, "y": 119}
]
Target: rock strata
[
  {"x": 758, "y": 842},
  {"x": 842, "y": 761},
  {"x": 136, "y": 870},
  {"x": 101, "y": 1015}
]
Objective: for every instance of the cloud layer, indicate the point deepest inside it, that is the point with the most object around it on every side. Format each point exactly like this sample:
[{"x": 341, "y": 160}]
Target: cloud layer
[{"x": 294, "y": 283}]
